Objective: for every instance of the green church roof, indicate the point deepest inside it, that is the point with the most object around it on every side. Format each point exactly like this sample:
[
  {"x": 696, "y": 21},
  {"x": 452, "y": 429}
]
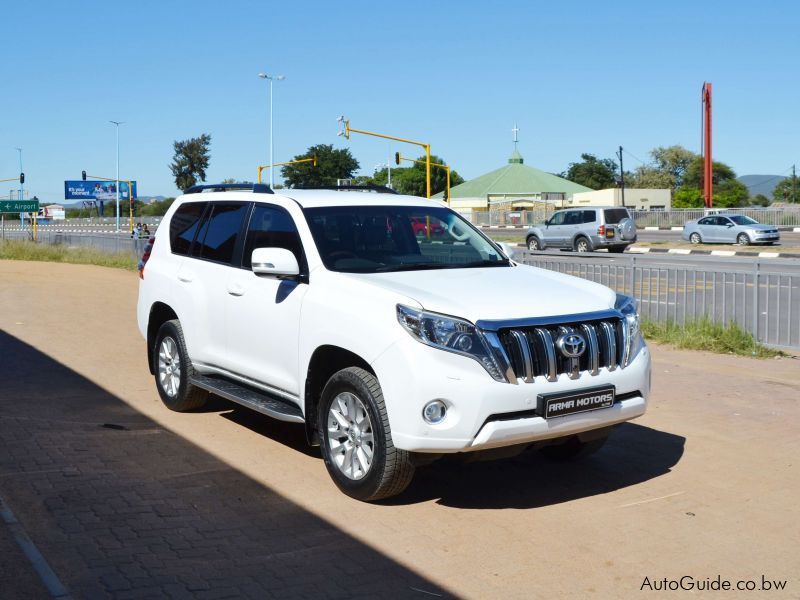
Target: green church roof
[{"x": 514, "y": 178}]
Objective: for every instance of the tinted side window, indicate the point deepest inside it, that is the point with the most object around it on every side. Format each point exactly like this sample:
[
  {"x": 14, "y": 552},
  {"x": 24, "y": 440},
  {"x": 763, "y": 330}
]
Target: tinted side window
[
  {"x": 589, "y": 216},
  {"x": 705, "y": 221},
  {"x": 183, "y": 226},
  {"x": 271, "y": 227},
  {"x": 615, "y": 215},
  {"x": 221, "y": 231},
  {"x": 573, "y": 217}
]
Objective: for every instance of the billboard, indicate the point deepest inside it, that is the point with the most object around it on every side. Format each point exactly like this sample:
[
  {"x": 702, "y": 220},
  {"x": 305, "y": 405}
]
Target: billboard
[{"x": 97, "y": 190}]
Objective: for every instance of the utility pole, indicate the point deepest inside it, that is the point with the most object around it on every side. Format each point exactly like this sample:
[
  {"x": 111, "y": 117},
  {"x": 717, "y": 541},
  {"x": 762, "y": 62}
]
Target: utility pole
[
  {"x": 621, "y": 177},
  {"x": 794, "y": 185}
]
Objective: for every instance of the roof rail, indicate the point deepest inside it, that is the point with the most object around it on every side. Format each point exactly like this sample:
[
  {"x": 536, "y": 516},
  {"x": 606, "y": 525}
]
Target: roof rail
[
  {"x": 378, "y": 189},
  {"x": 256, "y": 188}
]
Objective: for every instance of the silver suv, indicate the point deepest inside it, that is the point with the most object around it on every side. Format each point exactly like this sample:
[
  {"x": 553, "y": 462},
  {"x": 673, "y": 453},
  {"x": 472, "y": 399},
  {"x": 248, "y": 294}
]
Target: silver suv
[{"x": 585, "y": 230}]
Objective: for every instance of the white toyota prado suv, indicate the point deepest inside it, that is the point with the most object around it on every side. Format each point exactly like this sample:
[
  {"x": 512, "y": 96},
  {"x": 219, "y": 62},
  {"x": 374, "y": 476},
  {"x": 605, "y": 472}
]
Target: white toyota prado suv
[{"x": 388, "y": 325}]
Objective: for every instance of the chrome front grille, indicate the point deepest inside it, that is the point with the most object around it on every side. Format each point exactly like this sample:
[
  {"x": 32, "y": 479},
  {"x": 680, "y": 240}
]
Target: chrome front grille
[{"x": 533, "y": 351}]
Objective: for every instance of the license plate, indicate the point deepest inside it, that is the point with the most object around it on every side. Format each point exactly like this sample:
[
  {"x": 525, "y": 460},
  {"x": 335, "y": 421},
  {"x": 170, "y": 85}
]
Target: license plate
[
  {"x": 609, "y": 233},
  {"x": 559, "y": 405}
]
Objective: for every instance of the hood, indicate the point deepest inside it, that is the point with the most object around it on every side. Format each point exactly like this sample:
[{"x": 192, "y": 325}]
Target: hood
[
  {"x": 495, "y": 292},
  {"x": 759, "y": 227}
]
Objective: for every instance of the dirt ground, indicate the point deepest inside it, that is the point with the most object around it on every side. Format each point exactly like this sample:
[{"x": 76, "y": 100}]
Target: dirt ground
[{"x": 705, "y": 484}]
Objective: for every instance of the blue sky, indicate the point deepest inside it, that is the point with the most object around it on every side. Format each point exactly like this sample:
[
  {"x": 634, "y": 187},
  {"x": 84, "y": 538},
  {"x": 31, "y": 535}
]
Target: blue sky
[{"x": 576, "y": 77}]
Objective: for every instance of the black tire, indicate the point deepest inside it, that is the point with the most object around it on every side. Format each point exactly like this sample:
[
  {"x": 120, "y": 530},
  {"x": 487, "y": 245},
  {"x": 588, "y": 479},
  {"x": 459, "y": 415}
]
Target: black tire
[
  {"x": 582, "y": 244},
  {"x": 617, "y": 249},
  {"x": 534, "y": 244},
  {"x": 187, "y": 396},
  {"x": 573, "y": 449},
  {"x": 391, "y": 470},
  {"x": 742, "y": 239},
  {"x": 695, "y": 238}
]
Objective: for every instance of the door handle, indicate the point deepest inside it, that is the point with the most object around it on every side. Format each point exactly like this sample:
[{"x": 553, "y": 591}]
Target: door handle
[
  {"x": 236, "y": 289},
  {"x": 186, "y": 277}
]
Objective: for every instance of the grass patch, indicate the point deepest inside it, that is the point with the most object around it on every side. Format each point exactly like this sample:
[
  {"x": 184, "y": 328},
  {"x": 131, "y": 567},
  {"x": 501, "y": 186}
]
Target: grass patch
[
  {"x": 707, "y": 335},
  {"x": 26, "y": 250}
]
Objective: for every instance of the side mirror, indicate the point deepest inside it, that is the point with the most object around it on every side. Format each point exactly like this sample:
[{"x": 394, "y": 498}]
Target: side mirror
[
  {"x": 730, "y": 224},
  {"x": 507, "y": 249},
  {"x": 274, "y": 262}
]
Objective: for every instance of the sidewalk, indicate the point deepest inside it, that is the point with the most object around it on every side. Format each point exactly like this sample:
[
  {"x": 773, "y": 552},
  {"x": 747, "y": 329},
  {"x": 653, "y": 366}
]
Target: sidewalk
[{"x": 120, "y": 506}]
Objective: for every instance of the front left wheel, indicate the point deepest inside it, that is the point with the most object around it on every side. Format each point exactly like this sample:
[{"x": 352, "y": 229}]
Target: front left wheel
[
  {"x": 742, "y": 239},
  {"x": 357, "y": 439},
  {"x": 173, "y": 369}
]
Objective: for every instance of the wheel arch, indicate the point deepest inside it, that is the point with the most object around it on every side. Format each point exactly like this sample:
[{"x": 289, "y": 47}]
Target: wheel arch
[
  {"x": 577, "y": 237},
  {"x": 538, "y": 239},
  {"x": 324, "y": 362},
  {"x": 160, "y": 313}
]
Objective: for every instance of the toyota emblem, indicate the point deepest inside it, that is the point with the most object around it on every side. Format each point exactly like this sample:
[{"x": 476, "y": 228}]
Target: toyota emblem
[{"x": 571, "y": 345}]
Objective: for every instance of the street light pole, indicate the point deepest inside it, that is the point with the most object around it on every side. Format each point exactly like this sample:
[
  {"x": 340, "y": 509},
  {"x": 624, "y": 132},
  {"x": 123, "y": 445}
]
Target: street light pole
[
  {"x": 117, "y": 123},
  {"x": 271, "y": 78}
]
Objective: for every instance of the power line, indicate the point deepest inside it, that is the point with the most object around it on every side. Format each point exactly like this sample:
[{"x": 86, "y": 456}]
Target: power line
[{"x": 634, "y": 156}]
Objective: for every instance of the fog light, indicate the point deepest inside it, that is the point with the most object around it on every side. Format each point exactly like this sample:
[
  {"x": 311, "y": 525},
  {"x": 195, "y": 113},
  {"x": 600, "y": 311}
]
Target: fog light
[{"x": 434, "y": 412}]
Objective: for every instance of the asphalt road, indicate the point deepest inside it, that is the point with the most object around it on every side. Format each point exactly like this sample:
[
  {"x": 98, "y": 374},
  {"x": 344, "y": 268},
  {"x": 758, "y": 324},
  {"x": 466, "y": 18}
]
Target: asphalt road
[{"x": 126, "y": 499}]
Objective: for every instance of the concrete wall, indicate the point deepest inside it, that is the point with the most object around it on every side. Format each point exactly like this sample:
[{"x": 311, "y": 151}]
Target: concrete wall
[{"x": 639, "y": 199}]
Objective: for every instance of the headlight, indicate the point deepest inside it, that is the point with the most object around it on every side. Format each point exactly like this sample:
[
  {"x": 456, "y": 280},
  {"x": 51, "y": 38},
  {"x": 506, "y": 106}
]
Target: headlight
[
  {"x": 450, "y": 334},
  {"x": 633, "y": 335}
]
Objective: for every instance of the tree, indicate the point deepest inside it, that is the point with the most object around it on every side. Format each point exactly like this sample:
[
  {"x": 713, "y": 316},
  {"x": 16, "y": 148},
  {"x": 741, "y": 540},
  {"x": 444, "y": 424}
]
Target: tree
[
  {"x": 759, "y": 200},
  {"x": 667, "y": 169},
  {"x": 190, "y": 161},
  {"x": 649, "y": 177},
  {"x": 592, "y": 172},
  {"x": 331, "y": 165},
  {"x": 673, "y": 161},
  {"x": 693, "y": 177},
  {"x": 687, "y": 198},
  {"x": 788, "y": 190}
]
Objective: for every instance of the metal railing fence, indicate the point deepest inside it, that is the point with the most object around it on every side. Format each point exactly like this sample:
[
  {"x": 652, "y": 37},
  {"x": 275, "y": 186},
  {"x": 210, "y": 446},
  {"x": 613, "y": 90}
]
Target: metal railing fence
[
  {"x": 103, "y": 243},
  {"x": 765, "y": 303},
  {"x": 780, "y": 217}
]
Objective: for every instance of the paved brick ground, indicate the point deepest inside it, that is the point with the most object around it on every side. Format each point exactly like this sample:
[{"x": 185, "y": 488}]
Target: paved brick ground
[{"x": 135, "y": 511}]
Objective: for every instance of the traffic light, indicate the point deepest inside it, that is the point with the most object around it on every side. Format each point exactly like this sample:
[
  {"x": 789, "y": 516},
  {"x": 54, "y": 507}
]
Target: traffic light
[
  {"x": 83, "y": 175},
  {"x": 22, "y": 177},
  {"x": 397, "y": 158}
]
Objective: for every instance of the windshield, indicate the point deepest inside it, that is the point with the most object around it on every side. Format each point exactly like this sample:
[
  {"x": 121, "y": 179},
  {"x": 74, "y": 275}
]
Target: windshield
[
  {"x": 742, "y": 220},
  {"x": 381, "y": 239}
]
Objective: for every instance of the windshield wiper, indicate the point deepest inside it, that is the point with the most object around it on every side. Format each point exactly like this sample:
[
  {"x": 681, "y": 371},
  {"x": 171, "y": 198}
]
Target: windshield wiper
[
  {"x": 486, "y": 263},
  {"x": 414, "y": 267}
]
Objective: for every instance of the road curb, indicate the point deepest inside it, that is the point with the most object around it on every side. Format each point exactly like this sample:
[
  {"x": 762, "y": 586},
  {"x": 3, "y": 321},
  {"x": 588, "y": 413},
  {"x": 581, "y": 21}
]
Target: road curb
[{"x": 46, "y": 574}]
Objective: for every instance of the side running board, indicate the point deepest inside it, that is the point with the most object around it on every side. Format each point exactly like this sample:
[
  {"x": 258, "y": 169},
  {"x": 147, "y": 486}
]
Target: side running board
[{"x": 257, "y": 400}]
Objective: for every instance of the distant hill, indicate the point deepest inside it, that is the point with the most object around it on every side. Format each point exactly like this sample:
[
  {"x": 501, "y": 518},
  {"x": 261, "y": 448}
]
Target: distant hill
[{"x": 761, "y": 184}]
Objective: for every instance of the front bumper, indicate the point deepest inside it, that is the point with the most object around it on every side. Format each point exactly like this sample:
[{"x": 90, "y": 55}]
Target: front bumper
[
  {"x": 765, "y": 237},
  {"x": 481, "y": 411}
]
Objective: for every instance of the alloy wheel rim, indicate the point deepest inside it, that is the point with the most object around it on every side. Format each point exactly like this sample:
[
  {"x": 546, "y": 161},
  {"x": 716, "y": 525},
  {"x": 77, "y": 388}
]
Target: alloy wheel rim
[
  {"x": 169, "y": 367},
  {"x": 351, "y": 443}
]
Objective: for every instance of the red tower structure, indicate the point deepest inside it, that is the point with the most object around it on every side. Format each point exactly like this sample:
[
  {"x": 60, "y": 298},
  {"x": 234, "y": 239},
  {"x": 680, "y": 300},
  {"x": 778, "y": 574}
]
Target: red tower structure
[{"x": 708, "y": 172}]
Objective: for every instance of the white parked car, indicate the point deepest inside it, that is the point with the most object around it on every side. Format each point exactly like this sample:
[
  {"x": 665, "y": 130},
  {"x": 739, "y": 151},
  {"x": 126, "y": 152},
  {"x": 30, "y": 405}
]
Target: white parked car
[{"x": 391, "y": 345}]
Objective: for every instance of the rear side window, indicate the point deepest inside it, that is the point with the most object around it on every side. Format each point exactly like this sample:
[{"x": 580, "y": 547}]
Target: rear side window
[
  {"x": 183, "y": 226},
  {"x": 220, "y": 232},
  {"x": 271, "y": 227},
  {"x": 615, "y": 215},
  {"x": 573, "y": 217},
  {"x": 589, "y": 216}
]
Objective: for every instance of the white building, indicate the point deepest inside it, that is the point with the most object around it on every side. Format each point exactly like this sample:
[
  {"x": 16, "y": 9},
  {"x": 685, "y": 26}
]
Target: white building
[{"x": 637, "y": 199}]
